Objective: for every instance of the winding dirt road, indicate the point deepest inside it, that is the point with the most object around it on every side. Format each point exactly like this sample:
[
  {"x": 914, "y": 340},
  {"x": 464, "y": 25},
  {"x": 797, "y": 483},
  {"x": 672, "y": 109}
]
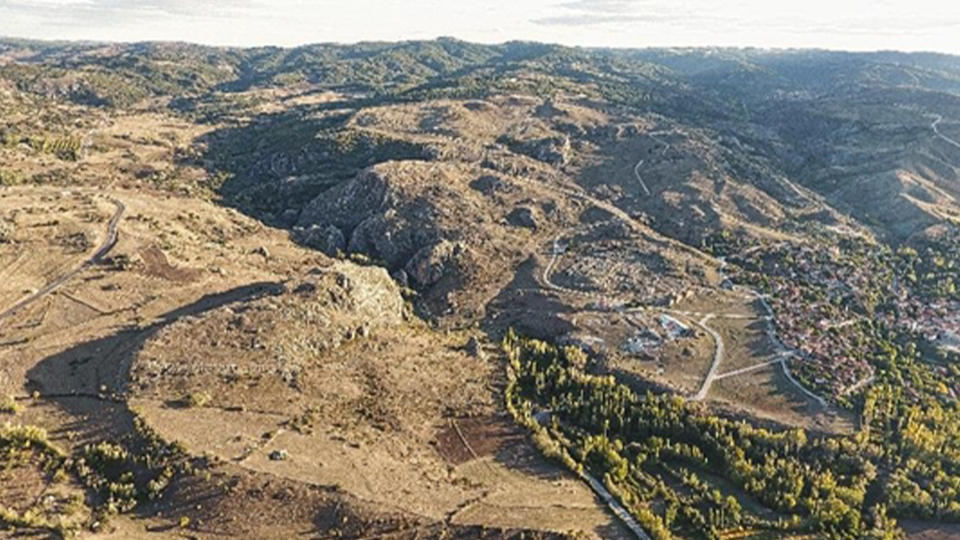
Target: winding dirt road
[
  {"x": 712, "y": 375},
  {"x": 636, "y": 168},
  {"x": 643, "y": 185},
  {"x": 97, "y": 256},
  {"x": 936, "y": 129},
  {"x": 717, "y": 358}
]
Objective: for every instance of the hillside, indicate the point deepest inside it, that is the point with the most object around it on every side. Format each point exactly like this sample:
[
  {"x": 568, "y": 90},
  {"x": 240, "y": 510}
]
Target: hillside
[{"x": 441, "y": 289}]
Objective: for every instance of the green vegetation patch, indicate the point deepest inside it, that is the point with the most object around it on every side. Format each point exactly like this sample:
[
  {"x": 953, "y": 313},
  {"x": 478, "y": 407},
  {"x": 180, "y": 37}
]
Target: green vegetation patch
[{"x": 685, "y": 473}]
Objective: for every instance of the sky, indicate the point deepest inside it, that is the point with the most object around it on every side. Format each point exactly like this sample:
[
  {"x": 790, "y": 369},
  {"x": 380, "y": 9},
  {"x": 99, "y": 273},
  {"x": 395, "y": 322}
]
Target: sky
[{"x": 928, "y": 25}]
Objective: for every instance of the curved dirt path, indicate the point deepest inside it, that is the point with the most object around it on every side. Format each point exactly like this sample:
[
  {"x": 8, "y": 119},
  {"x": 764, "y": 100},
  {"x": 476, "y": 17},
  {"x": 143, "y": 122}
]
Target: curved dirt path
[
  {"x": 636, "y": 168},
  {"x": 937, "y": 118},
  {"x": 554, "y": 257},
  {"x": 105, "y": 247},
  {"x": 636, "y": 172},
  {"x": 717, "y": 358}
]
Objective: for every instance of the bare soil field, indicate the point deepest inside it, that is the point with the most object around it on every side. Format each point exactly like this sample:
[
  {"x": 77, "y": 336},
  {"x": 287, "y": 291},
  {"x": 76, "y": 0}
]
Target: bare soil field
[
  {"x": 377, "y": 416},
  {"x": 919, "y": 530},
  {"x": 767, "y": 394}
]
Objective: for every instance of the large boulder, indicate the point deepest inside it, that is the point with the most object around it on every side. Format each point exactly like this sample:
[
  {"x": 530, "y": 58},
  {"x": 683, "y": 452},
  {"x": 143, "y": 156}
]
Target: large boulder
[
  {"x": 391, "y": 238},
  {"x": 429, "y": 265},
  {"x": 326, "y": 238},
  {"x": 523, "y": 216},
  {"x": 349, "y": 204}
]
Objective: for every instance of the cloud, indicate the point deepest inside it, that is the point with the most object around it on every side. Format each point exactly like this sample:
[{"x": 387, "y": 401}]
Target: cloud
[
  {"x": 843, "y": 24},
  {"x": 601, "y": 6},
  {"x": 96, "y": 11},
  {"x": 591, "y": 19},
  {"x": 583, "y": 13}
]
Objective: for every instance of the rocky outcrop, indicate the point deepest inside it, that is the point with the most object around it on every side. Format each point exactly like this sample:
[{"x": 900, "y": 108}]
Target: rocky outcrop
[
  {"x": 523, "y": 216},
  {"x": 391, "y": 238},
  {"x": 274, "y": 337},
  {"x": 366, "y": 293},
  {"x": 553, "y": 150},
  {"x": 326, "y": 238},
  {"x": 443, "y": 229},
  {"x": 370, "y": 215},
  {"x": 489, "y": 184},
  {"x": 429, "y": 265},
  {"x": 348, "y": 204}
]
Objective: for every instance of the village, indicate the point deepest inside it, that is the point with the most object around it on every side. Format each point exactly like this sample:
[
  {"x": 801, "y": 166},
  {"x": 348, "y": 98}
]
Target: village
[{"x": 828, "y": 305}]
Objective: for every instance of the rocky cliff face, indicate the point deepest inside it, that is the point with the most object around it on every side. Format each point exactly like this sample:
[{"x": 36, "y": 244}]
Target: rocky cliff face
[{"x": 455, "y": 232}]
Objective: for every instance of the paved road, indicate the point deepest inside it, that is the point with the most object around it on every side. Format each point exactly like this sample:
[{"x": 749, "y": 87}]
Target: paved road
[
  {"x": 105, "y": 247},
  {"x": 615, "y": 506}
]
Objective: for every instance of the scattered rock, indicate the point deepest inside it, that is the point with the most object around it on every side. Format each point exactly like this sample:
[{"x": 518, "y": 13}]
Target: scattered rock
[
  {"x": 279, "y": 455},
  {"x": 326, "y": 238},
  {"x": 553, "y": 150},
  {"x": 475, "y": 349},
  {"x": 430, "y": 264},
  {"x": 6, "y": 231},
  {"x": 488, "y": 184},
  {"x": 305, "y": 287},
  {"x": 401, "y": 277},
  {"x": 263, "y": 251},
  {"x": 523, "y": 216}
]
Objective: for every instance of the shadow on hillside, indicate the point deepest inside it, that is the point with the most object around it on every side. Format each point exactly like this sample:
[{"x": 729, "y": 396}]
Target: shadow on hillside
[
  {"x": 526, "y": 306},
  {"x": 272, "y": 165},
  {"x": 82, "y": 380}
]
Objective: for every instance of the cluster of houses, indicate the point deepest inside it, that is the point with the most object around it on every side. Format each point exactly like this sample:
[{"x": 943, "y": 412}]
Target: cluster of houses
[
  {"x": 816, "y": 298},
  {"x": 937, "y": 322},
  {"x": 819, "y": 300}
]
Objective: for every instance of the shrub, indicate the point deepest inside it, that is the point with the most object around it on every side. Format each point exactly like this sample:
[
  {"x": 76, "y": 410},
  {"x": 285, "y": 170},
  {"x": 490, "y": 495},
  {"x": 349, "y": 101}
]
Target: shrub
[
  {"x": 196, "y": 399},
  {"x": 9, "y": 405}
]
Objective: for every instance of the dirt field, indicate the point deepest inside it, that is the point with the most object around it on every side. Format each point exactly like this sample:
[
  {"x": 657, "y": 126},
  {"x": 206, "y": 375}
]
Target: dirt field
[
  {"x": 392, "y": 419},
  {"x": 918, "y": 530},
  {"x": 767, "y": 394},
  {"x": 749, "y": 379}
]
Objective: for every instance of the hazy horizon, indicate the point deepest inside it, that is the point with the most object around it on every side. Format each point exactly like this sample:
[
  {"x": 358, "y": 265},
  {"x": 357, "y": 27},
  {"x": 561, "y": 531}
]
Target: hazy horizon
[{"x": 853, "y": 25}]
